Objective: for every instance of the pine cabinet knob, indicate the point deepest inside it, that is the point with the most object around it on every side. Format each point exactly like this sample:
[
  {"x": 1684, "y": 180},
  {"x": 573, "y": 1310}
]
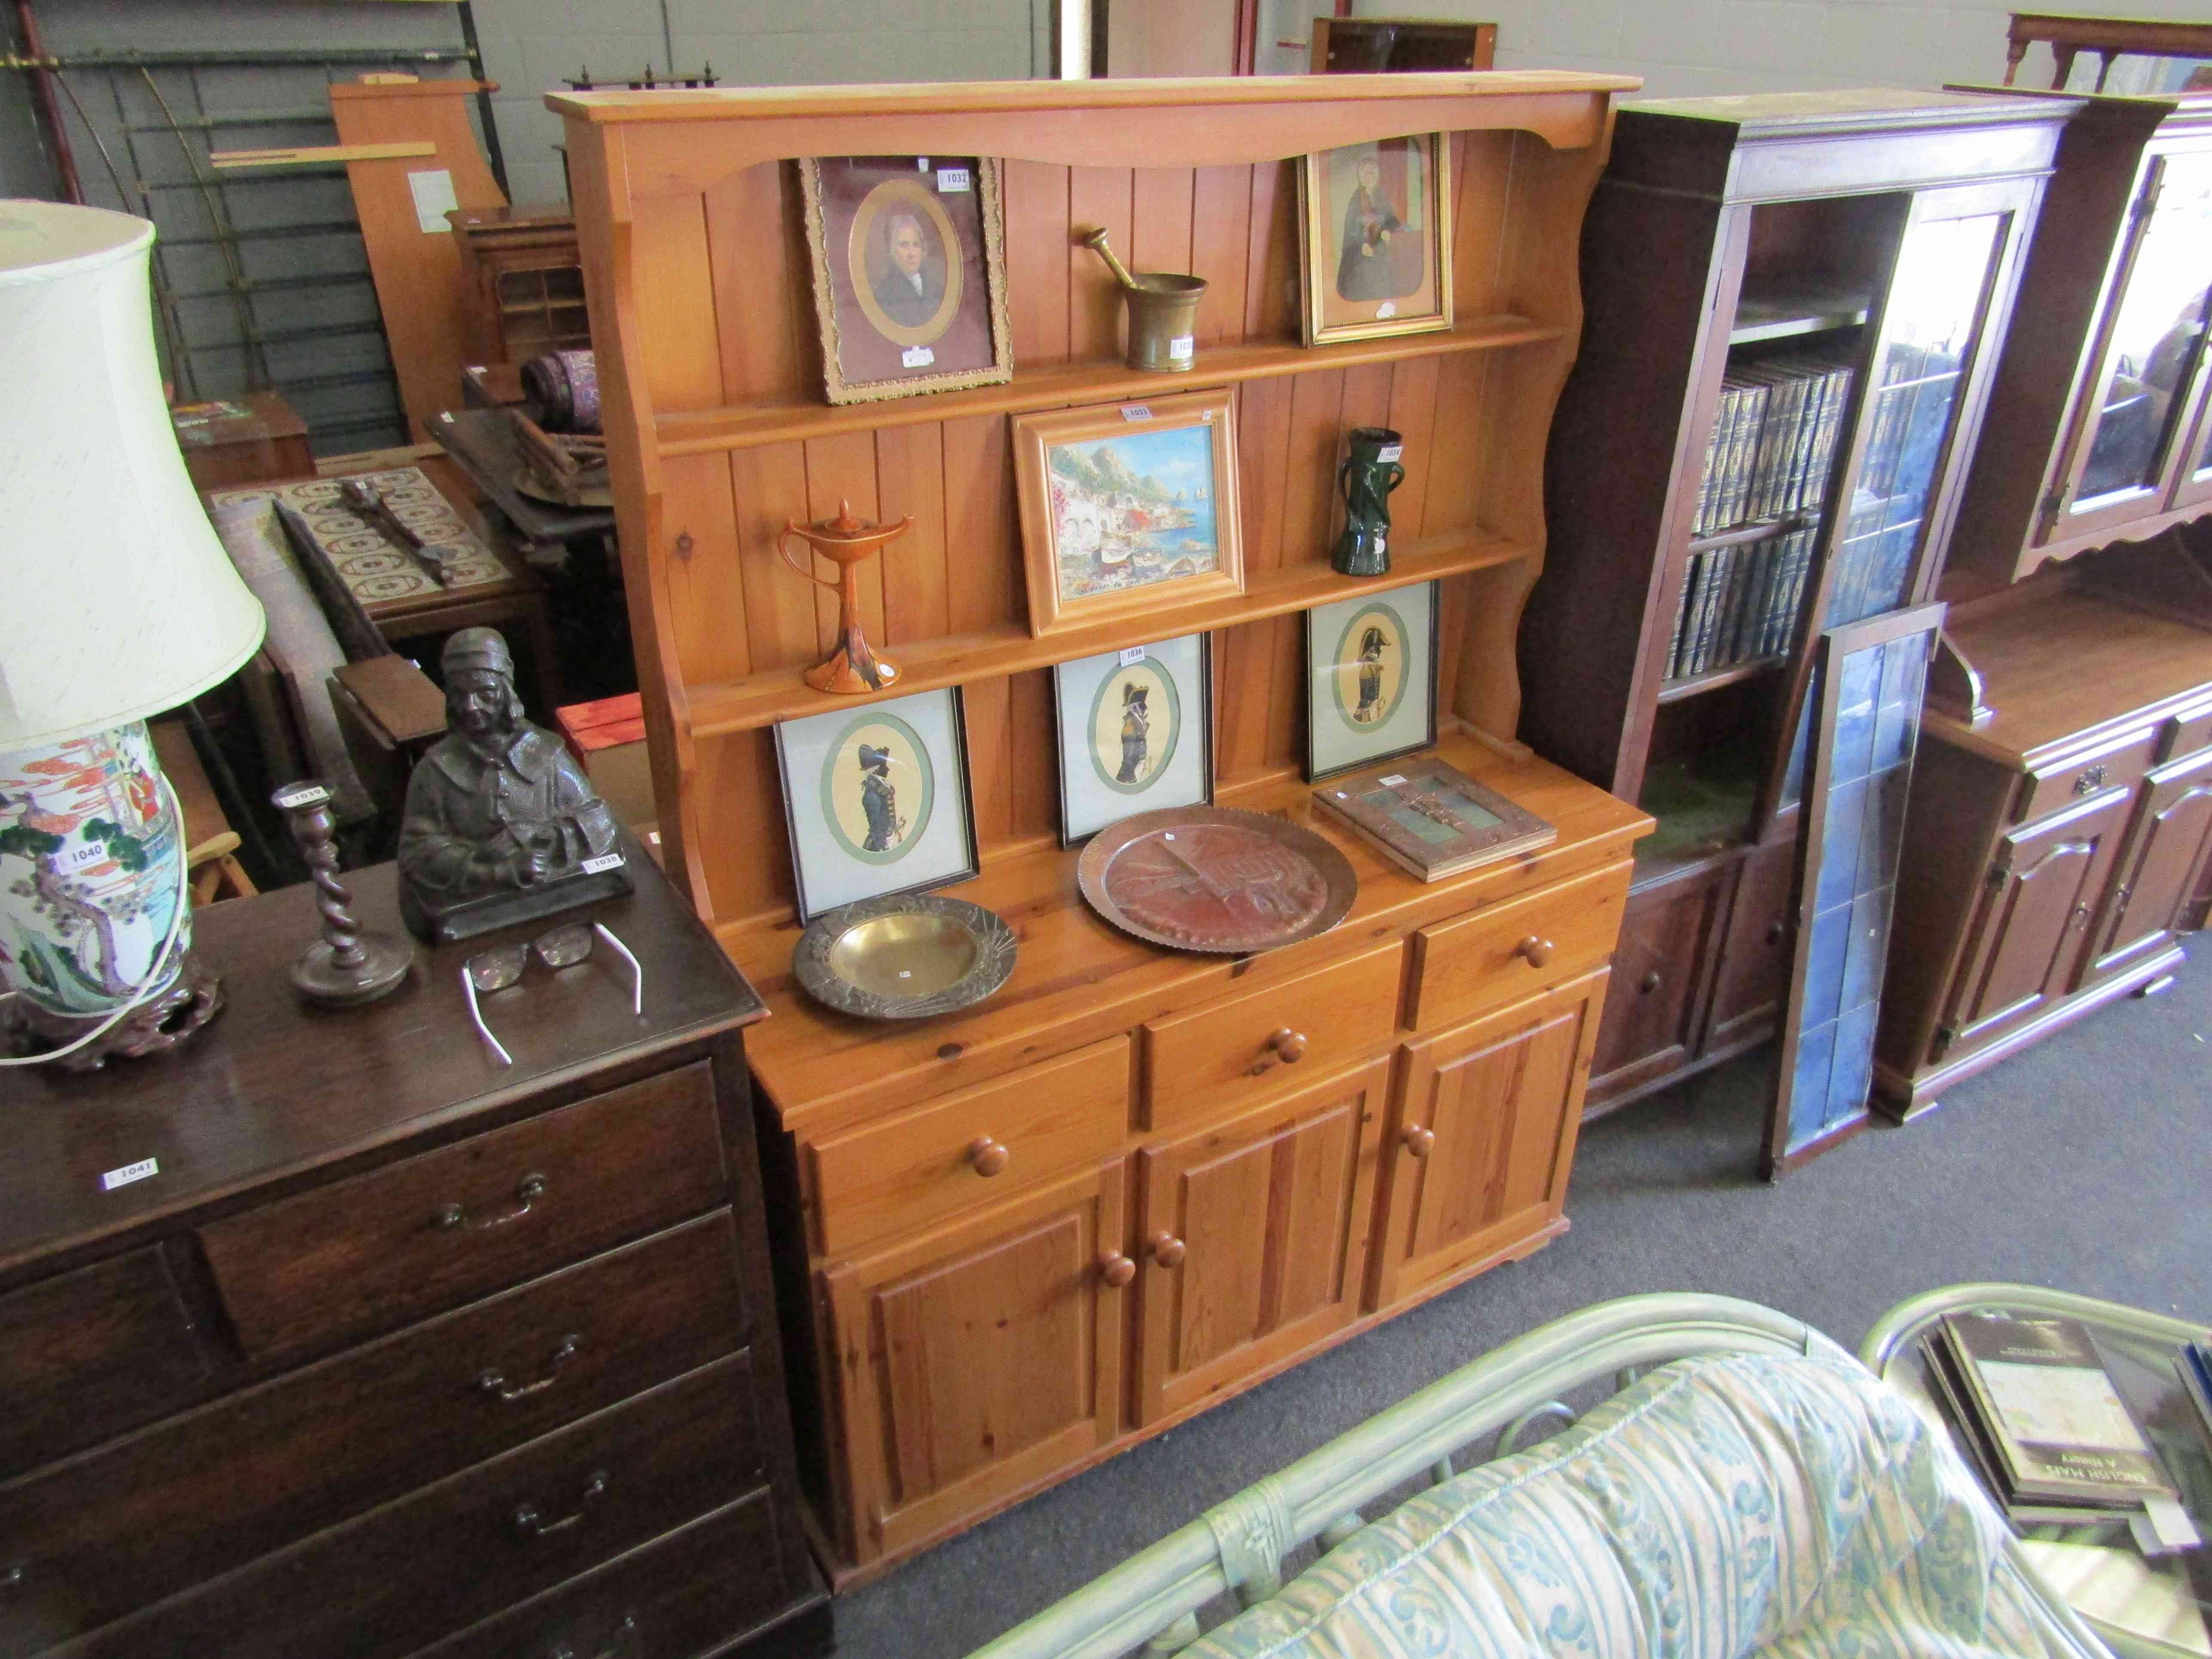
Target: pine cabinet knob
[
  {"x": 1418, "y": 1142},
  {"x": 1116, "y": 1269},
  {"x": 1289, "y": 1046},
  {"x": 987, "y": 1156},
  {"x": 1167, "y": 1249},
  {"x": 1534, "y": 951}
]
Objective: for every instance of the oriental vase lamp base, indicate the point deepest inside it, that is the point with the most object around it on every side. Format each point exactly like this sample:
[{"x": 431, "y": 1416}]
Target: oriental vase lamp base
[
  {"x": 194, "y": 998},
  {"x": 851, "y": 672}
]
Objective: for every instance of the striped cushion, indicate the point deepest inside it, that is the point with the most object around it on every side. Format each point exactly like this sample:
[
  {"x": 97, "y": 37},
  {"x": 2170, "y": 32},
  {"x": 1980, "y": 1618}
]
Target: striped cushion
[{"x": 1724, "y": 1506}]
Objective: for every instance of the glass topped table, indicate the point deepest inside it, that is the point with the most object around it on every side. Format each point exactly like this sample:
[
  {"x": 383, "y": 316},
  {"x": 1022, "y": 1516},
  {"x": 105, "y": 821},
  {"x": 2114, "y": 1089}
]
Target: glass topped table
[{"x": 2145, "y": 1606}]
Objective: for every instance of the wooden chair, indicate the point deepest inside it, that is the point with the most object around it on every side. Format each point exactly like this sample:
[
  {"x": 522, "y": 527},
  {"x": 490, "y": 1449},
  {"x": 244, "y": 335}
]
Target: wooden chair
[
  {"x": 2108, "y": 37},
  {"x": 210, "y": 841}
]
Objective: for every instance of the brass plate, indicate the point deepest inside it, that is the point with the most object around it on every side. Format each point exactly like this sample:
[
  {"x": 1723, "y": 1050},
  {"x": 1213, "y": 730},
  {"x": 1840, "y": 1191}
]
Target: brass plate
[
  {"x": 905, "y": 956},
  {"x": 1214, "y": 879}
]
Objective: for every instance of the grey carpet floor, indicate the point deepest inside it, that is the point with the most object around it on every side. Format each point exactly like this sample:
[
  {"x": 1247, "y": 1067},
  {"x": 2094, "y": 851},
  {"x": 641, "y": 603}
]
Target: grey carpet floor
[{"x": 2085, "y": 1162}]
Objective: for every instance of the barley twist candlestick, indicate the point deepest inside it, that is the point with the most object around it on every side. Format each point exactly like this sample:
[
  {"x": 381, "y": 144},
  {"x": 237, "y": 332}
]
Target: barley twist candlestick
[{"x": 347, "y": 965}]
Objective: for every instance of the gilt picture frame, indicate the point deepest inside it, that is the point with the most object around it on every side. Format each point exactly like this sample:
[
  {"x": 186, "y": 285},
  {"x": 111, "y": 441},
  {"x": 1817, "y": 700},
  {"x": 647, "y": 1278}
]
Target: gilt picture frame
[
  {"x": 1128, "y": 507},
  {"x": 877, "y": 800},
  {"x": 1136, "y": 733},
  {"x": 909, "y": 262},
  {"x": 1374, "y": 239}
]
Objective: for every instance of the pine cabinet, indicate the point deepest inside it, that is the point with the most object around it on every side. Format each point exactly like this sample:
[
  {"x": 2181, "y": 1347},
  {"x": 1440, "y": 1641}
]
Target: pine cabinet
[
  {"x": 1793, "y": 301},
  {"x": 1014, "y": 1239}
]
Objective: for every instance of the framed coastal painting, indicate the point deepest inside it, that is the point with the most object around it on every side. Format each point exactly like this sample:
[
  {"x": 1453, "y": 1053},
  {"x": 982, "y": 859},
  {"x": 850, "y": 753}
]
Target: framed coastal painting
[
  {"x": 1374, "y": 239},
  {"x": 1371, "y": 678},
  {"x": 1128, "y": 506},
  {"x": 876, "y": 799},
  {"x": 909, "y": 273},
  {"x": 1136, "y": 733}
]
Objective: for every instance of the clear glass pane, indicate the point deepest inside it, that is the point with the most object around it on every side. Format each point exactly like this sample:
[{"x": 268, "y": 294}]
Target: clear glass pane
[
  {"x": 1935, "y": 306},
  {"x": 2155, "y": 341}
]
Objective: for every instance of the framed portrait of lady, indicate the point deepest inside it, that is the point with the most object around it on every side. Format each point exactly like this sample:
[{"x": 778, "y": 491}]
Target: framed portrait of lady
[
  {"x": 909, "y": 273},
  {"x": 1371, "y": 678},
  {"x": 1136, "y": 733},
  {"x": 1374, "y": 239},
  {"x": 876, "y": 799}
]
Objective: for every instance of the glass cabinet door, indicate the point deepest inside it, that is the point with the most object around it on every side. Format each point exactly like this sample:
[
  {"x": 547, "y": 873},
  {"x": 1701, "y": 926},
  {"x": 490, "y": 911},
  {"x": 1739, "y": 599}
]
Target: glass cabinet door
[{"x": 2133, "y": 431}]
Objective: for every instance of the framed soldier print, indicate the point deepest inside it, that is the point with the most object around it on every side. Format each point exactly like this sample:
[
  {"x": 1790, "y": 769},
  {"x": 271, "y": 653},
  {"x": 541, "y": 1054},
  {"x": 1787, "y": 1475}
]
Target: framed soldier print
[
  {"x": 909, "y": 273},
  {"x": 876, "y": 799},
  {"x": 1371, "y": 678},
  {"x": 1136, "y": 733},
  {"x": 1374, "y": 239}
]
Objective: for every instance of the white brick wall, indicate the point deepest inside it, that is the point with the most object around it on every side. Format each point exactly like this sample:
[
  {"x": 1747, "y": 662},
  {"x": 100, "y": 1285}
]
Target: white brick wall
[
  {"x": 531, "y": 47},
  {"x": 1685, "y": 48}
]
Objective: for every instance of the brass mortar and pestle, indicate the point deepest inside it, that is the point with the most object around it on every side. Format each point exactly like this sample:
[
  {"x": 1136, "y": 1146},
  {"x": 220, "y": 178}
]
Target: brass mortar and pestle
[{"x": 1163, "y": 312}]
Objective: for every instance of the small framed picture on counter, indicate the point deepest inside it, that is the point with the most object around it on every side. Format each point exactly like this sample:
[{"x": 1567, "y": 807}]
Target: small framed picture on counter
[
  {"x": 1136, "y": 733},
  {"x": 1371, "y": 678},
  {"x": 909, "y": 273},
  {"x": 876, "y": 799}
]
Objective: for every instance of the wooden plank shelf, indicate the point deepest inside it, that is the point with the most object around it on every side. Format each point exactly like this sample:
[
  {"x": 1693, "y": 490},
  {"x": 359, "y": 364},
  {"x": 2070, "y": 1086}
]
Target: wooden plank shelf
[
  {"x": 792, "y": 420},
  {"x": 1713, "y": 679},
  {"x": 1786, "y": 316},
  {"x": 780, "y": 694}
]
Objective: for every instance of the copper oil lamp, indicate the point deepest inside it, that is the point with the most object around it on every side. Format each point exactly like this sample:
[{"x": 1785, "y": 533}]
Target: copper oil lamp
[{"x": 853, "y": 669}]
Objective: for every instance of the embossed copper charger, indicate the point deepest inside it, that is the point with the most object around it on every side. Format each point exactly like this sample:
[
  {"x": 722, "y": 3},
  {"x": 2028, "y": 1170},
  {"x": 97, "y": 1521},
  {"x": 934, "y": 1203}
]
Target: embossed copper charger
[{"x": 1214, "y": 879}]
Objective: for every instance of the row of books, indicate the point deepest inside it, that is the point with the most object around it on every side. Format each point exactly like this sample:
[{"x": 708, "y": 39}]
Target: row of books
[
  {"x": 1773, "y": 439},
  {"x": 1740, "y": 603},
  {"x": 2055, "y": 1440}
]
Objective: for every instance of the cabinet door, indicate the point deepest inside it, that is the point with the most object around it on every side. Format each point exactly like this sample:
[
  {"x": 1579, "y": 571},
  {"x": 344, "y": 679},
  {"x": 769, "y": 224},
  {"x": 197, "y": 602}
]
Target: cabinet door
[
  {"x": 978, "y": 1358},
  {"x": 2158, "y": 869},
  {"x": 1252, "y": 1237},
  {"x": 2042, "y": 884},
  {"x": 2129, "y": 449},
  {"x": 1480, "y": 1136},
  {"x": 1652, "y": 1012},
  {"x": 1754, "y": 964}
]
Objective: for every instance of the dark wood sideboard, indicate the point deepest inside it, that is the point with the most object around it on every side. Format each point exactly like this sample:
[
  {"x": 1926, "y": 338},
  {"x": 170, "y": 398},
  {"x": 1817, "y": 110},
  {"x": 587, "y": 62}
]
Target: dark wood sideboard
[{"x": 396, "y": 1351}]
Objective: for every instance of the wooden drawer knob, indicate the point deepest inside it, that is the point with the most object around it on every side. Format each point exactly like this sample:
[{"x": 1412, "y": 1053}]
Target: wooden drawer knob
[
  {"x": 1775, "y": 931},
  {"x": 1650, "y": 982},
  {"x": 1289, "y": 1046},
  {"x": 1167, "y": 1249},
  {"x": 1418, "y": 1142},
  {"x": 987, "y": 1157},
  {"x": 1116, "y": 1269},
  {"x": 1534, "y": 951}
]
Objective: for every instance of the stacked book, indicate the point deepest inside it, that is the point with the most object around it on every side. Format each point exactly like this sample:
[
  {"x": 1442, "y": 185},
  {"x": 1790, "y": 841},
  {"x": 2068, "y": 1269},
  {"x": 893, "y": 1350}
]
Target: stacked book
[
  {"x": 2039, "y": 1414},
  {"x": 1772, "y": 440},
  {"x": 1740, "y": 603}
]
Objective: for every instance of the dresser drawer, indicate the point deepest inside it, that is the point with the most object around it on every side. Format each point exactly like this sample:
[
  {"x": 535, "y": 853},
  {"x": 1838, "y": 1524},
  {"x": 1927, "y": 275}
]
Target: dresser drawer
[
  {"x": 2119, "y": 764},
  {"x": 972, "y": 1147},
  {"x": 471, "y": 1546},
  {"x": 89, "y": 1353},
  {"x": 124, "y": 1526},
  {"x": 1516, "y": 949},
  {"x": 2189, "y": 731},
  {"x": 689, "y": 1593},
  {"x": 1233, "y": 1050},
  {"x": 423, "y": 1234}
]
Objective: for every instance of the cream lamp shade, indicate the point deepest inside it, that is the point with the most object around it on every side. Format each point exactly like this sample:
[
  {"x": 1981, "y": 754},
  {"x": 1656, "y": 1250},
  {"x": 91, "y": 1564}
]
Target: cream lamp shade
[{"x": 117, "y": 601}]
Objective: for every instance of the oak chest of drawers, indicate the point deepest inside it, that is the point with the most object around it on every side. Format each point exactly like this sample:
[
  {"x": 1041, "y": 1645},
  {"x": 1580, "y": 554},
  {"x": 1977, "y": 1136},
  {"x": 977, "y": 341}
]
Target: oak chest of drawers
[
  {"x": 396, "y": 1351},
  {"x": 1012, "y": 1240}
]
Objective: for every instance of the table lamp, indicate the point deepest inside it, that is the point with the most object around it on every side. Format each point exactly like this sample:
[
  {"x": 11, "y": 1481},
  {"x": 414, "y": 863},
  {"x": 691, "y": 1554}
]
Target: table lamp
[{"x": 117, "y": 602}]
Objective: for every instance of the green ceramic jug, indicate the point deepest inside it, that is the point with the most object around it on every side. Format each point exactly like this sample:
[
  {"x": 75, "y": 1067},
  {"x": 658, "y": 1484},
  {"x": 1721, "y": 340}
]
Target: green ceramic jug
[{"x": 1365, "y": 480}]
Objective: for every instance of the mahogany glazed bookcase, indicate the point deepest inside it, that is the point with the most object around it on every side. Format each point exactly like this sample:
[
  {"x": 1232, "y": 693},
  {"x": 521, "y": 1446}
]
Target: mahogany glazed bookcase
[{"x": 1294, "y": 1145}]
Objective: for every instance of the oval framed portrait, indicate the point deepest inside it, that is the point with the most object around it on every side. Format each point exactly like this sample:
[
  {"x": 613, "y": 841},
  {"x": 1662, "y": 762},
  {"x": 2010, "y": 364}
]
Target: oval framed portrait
[
  {"x": 1371, "y": 678},
  {"x": 877, "y": 787},
  {"x": 905, "y": 259},
  {"x": 1136, "y": 722}
]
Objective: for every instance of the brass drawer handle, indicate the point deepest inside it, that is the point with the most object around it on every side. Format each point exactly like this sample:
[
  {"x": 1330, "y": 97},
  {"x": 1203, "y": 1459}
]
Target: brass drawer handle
[
  {"x": 528, "y": 1192},
  {"x": 1167, "y": 1249},
  {"x": 987, "y": 1156},
  {"x": 530, "y": 1521},
  {"x": 1290, "y": 1046},
  {"x": 1534, "y": 952},
  {"x": 1418, "y": 1142},
  {"x": 494, "y": 1383},
  {"x": 1116, "y": 1269},
  {"x": 2090, "y": 780},
  {"x": 625, "y": 1637},
  {"x": 624, "y": 1641}
]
